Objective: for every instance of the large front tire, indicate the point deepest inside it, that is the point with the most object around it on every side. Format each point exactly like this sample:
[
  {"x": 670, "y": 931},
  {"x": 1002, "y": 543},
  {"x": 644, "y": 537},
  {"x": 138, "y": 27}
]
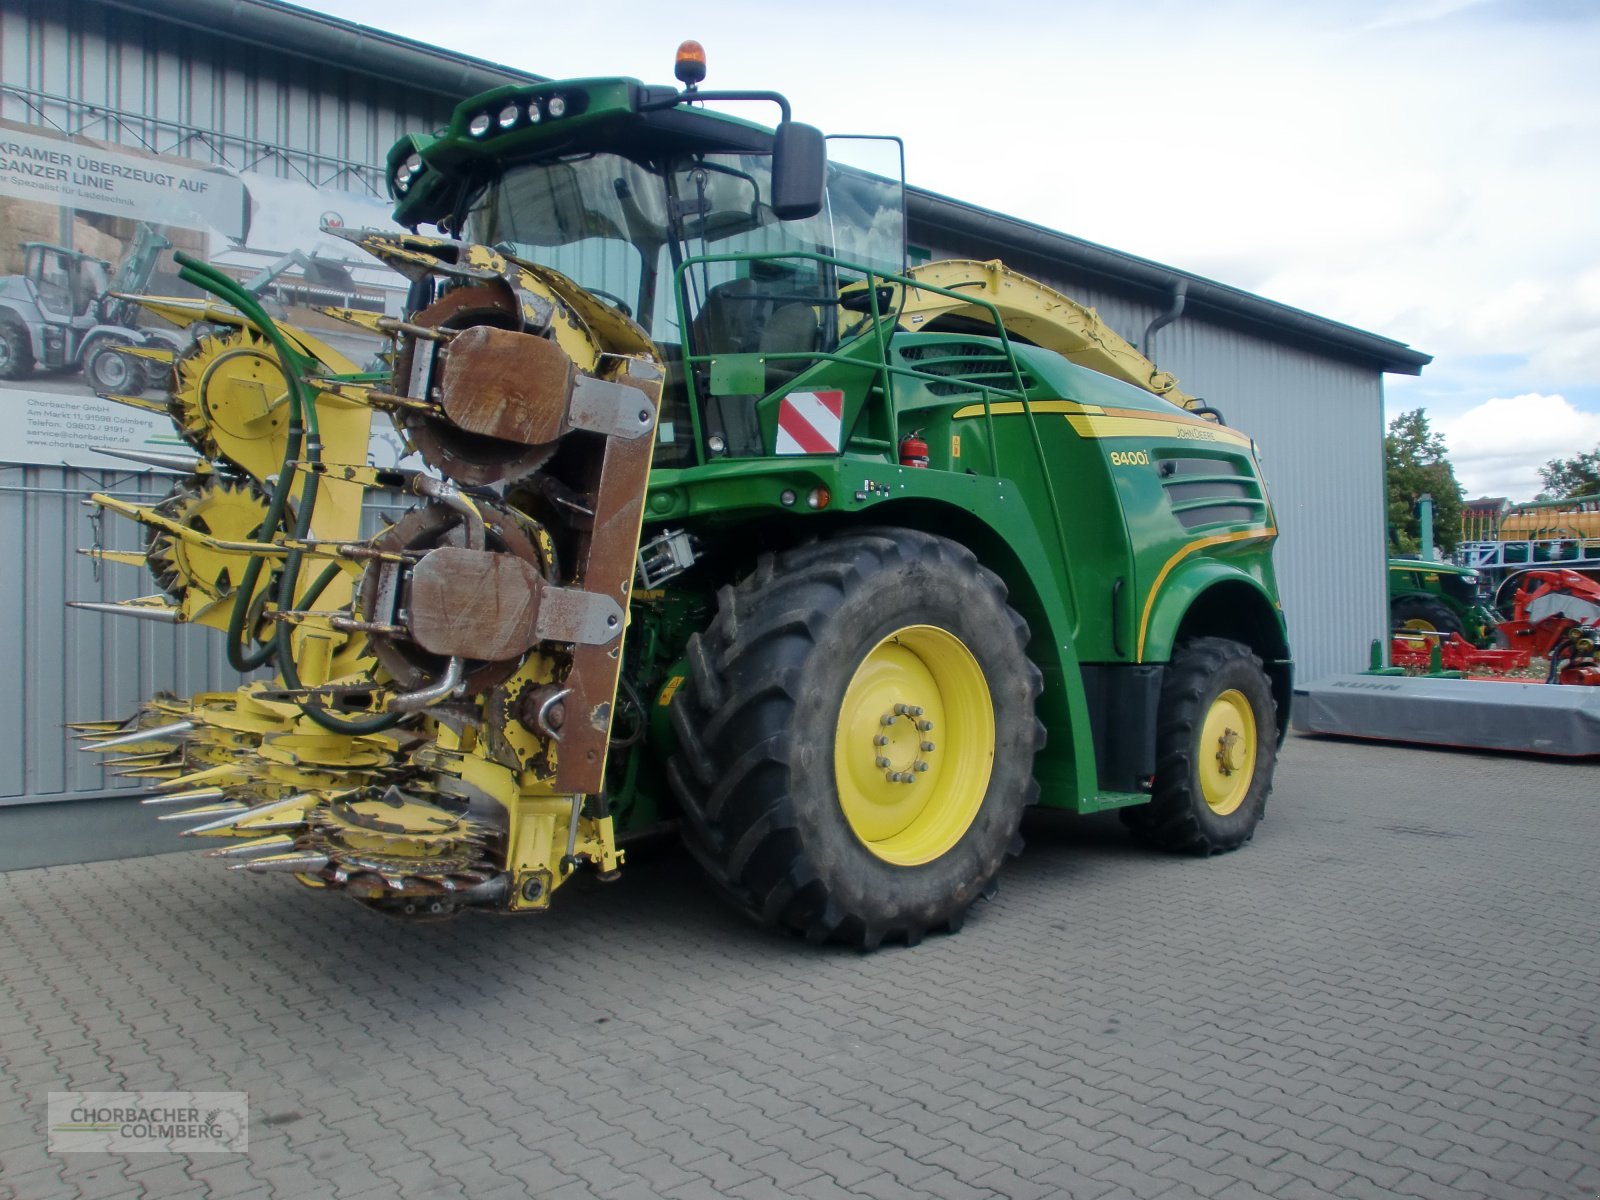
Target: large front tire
[
  {"x": 1216, "y": 747},
  {"x": 857, "y": 735}
]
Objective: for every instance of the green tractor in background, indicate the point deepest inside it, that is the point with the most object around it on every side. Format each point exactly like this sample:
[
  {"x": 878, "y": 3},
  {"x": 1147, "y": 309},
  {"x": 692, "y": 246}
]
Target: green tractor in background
[{"x": 1439, "y": 598}]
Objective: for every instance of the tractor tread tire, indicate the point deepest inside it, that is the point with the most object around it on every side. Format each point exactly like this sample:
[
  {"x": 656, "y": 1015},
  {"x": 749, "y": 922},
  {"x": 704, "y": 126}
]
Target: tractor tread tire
[
  {"x": 736, "y": 773},
  {"x": 1177, "y": 818},
  {"x": 19, "y": 350},
  {"x": 132, "y": 377},
  {"x": 1436, "y": 612}
]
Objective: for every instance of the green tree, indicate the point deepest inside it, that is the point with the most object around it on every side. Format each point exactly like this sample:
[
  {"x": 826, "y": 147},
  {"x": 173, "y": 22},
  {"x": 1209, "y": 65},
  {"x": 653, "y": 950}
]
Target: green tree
[
  {"x": 1417, "y": 464},
  {"x": 1568, "y": 477}
]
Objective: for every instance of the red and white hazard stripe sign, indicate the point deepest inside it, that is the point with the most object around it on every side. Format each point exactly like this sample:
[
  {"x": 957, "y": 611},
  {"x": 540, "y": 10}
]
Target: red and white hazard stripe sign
[{"x": 810, "y": 423}]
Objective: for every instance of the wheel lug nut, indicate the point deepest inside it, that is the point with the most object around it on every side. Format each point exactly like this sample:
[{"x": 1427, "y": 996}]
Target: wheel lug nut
[
  {"x": 881, "y": 740},
  {"x": 914, "y": 710},
  {"x": 887, "y": 719},
  {"x": 925, "y": 726},
  {"x": 908, "y": 777},
  {"x": 900, "y": 710},
  {"x": 927, "y": 747},
  {"x": 919, "y": 765},
  {"x": 883, "y": 762}
]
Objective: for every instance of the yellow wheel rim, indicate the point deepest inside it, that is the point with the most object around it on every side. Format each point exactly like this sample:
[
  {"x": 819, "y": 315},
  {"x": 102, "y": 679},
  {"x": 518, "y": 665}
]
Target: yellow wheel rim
[
  {"x": 1227, "y": 752},
  {"x": 914, "y": 745},
  {"x": 1420, "y": 625}
]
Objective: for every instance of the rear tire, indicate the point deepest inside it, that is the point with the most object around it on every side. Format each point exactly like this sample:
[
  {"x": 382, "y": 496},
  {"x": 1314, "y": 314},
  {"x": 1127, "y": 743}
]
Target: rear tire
[
  {"x": 108, "y": 370},
  {"x": 1423, "y": 615},
  {"x": 16, "y": 352},
  {"x": 1216, "y": 747},
  {"x": 789, "y": 777}
]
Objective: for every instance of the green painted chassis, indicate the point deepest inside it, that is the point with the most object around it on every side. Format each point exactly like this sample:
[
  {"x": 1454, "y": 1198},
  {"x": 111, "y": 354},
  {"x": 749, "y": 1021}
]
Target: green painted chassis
[
  {"x": 1094, "y": 554},
  {"x": 1097, "y": 557}
]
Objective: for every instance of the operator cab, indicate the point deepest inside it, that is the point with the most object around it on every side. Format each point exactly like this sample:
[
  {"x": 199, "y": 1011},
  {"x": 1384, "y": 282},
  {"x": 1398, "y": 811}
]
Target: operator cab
[
  {"x": 727, "y": 243},
  {"x": 68, "y": 283}
]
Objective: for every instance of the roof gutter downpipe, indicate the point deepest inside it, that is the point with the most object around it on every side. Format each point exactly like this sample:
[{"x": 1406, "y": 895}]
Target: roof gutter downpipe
[{"x": 1180, "y": 294}]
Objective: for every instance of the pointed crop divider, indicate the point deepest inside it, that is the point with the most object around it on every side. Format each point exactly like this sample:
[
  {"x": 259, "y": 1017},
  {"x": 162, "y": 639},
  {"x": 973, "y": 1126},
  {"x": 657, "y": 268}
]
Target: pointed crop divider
[
  {"x": 107, "y": 726},
  {"x": 247, "y": 824},
  {"x": 154, "y": 734},
  {"x": 184, "y": 312},
  {"x": 133, "y": 760},
  {"x": 128, "y": 558},
  {"x": 162, "y": 774},
  {"x": 242, "y": 820},
  {"x": 298, "y": 863},
  {"x": 229, "y": 810},
  {"x": 211, "y": 776},
  {"x": 239, "y": 817},
  {"x": 278, "y": 841},
  {"x": 153, "y": 353},
  {"x": 159, "y": 407},
  {"x": 143, "y": 609},
  {"x": 194, "y": 797},
  {"x": 187, "y": 464}
]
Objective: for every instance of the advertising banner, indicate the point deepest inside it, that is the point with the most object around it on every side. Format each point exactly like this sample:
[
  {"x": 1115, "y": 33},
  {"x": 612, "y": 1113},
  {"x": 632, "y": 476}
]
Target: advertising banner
[{"x": 84, "y": 224}]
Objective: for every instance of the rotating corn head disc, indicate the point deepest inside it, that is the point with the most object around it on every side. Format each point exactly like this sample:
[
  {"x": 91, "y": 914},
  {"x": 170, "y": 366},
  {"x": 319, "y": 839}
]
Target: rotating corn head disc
[
  {"x": 230, "y": 400},
  {"x": 226, "y": 509}
]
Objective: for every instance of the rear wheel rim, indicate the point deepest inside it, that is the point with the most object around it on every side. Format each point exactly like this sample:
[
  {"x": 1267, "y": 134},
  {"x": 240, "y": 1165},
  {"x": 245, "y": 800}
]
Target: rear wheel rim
[
  {"x": 1228, "y": 743},
  {"x": 1419, "y": 625},
  {"x": 917, "y": 707}
]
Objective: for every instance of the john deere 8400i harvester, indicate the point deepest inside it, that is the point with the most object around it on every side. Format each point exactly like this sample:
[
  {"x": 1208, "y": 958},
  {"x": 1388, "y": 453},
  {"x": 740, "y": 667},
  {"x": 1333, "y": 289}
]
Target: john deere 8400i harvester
[{"x": 722, "y": 520}]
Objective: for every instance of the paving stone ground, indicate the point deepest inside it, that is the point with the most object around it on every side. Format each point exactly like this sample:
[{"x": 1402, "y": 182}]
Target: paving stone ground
[{"x": 1392, "y": 992}]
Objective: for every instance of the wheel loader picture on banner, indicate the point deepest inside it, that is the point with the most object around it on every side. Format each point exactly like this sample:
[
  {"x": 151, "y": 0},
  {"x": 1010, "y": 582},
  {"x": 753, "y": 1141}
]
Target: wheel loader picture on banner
[{"x": 722, "y": 521}]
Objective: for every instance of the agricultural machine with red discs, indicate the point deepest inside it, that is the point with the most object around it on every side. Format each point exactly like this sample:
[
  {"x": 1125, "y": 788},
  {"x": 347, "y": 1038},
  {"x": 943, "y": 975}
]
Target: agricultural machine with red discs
[{"x": 1555, "y": 616}]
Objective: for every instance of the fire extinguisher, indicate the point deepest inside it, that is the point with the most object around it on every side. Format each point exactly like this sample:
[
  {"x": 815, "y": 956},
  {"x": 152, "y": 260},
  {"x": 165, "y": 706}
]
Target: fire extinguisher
[{"x": 913, "y": 450}]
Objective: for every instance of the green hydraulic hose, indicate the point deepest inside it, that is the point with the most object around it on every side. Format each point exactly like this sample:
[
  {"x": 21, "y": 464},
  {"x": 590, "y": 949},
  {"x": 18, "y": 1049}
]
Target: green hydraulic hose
[
  {"x": 303, "y": 415},
  {"x": 203, "y": 275}
]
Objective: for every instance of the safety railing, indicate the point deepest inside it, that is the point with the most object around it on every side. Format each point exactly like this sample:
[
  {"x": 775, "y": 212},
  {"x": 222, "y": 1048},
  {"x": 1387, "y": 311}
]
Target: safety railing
[{"x": 879, "y": 325}]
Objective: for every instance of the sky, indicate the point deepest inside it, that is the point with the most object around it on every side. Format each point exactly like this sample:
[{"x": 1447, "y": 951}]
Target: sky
[{"x": 1428, "y": 170}]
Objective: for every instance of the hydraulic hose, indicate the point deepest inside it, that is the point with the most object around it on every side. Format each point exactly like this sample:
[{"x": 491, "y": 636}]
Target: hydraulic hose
[
  {"x": 302, "y": 417},
  {"x": 203, "y": 275}
]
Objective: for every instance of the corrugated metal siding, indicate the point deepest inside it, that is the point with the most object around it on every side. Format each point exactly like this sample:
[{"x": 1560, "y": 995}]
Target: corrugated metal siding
[
  {"x": 1319, "y": 426},
  {"x": 66, "y": 664},
  {"x": 175, "y": 90},
  {"x": 73, "y": 665}
]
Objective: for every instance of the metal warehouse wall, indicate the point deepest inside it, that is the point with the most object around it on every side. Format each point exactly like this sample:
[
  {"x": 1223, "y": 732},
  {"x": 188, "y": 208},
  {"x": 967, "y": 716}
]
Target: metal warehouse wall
[
  {"x": 77, "y": 68},
  {"x": 1318, "y": 423}
]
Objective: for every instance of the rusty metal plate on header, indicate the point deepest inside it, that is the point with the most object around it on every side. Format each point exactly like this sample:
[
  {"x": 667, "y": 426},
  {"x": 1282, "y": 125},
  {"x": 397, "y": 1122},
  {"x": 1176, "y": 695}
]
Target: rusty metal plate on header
[
  {"x": 474, "y": 604},
  {"x": 506, "y": 385}
]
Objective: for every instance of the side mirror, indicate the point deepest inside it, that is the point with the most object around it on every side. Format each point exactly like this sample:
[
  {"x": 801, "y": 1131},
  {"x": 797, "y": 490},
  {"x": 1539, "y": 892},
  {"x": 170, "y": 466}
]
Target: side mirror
[{"x": 799, "y": 171}]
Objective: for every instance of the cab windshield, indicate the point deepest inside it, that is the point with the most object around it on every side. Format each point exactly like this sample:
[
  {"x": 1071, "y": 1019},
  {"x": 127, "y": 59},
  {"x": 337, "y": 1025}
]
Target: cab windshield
[
  {"x": 623, "y": 229},
  {"x": 692, "y": 251}
]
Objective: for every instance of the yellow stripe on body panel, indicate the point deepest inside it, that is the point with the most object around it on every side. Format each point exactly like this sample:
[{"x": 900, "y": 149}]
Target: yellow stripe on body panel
[
  {"x": 1154, "y": 425},
  {"x": 1092, "y": 421},
  {"x": 1012, "y": 408},
  {"x": 1238, "y": 535}
]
